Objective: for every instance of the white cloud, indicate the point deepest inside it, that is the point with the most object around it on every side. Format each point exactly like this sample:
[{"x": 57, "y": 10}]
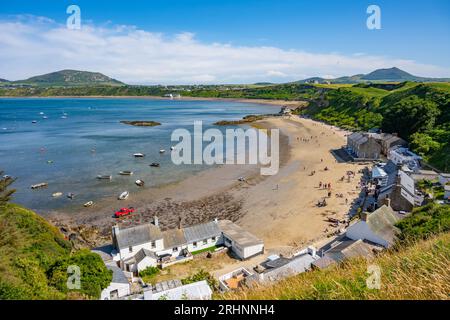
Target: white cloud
[{"x": 36, "y": 45}]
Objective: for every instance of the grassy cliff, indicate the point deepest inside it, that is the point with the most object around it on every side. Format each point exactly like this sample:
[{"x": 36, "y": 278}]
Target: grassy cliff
[{"x": 34, "y": 257}]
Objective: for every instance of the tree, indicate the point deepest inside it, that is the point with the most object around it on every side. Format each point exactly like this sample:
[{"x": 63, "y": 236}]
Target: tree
[
  {"x": 5, "y": 193},
  {"x": 410, "y": 115},
  {"x": 423, "y": 144}
]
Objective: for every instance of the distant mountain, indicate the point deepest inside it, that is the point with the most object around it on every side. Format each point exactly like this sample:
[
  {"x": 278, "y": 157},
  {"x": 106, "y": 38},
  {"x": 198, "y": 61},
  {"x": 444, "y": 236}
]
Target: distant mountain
[
  {"x": 387, "y": 75},
  {"x": 70, "y": 78},
  {"x": 3, "y": 80}
]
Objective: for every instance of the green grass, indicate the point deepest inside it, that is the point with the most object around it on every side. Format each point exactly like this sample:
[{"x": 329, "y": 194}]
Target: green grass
[{"x": 209, "y": 249}]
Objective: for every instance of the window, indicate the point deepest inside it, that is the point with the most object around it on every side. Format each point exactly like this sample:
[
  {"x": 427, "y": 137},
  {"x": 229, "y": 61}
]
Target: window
[
  {"x": 205, "y": 241},
  {"x": 130, "y": 249},
  {"x": 153, "y": 244},
  {"x": 213, "y": 239},
  {"x": 175, "y": 249},
  {"x": 194, "y": 244}
]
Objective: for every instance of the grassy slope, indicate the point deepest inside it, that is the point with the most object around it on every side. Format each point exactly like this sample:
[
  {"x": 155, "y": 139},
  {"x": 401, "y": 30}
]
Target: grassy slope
[
  {"x": 34, "y": 258},
  {"x": 420, "y": 271},
  {"x": 28, "y": 246}
]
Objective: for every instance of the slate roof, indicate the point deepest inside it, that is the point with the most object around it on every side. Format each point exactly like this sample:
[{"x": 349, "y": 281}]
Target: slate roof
[
  {"x": 382, "y": 222},
  {"x": 173, "y": 238},
  {"x": 345, "y": 250},
  {"x": 201, "y": 231},
  {"x": 138, "y": 235}
]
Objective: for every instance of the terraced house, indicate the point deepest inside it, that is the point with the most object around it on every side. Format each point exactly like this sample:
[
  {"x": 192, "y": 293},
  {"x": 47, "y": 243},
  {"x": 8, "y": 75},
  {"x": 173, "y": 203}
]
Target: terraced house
[{"x": 143, "y": 246}]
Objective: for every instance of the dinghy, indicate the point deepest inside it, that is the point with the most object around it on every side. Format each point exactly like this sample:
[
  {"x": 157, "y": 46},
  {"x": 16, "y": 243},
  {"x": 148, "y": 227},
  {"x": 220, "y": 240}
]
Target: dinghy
[
  {"x": 89, "y": 204},
  {"x": 71, "y": 195},
  {"x": 39, "y": 185},
  {"x": 154, "y": 164},
  {"x": 124, "y": 195},
  {"x": 162, "y": 151},
  {"x": 104, "y": 177},
  {"x": 126, "y": 173},
  {"x": 57, "y": 194},
  {"x": 139, "y": 155},
  {"x": 139, "y": 183}
]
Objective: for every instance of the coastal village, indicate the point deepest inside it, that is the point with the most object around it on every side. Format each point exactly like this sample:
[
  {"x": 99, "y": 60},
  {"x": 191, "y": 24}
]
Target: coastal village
[{"x": 386, "y": 193}]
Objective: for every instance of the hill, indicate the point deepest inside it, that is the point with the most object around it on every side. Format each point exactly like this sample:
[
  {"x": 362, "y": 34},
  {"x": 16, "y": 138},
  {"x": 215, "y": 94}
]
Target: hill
[
  {"x": 68, "y": 78},
  {"x": 419, "y": 271},
  {"x": 34, "y": 257},
  {"x": 380, "y": 75}
]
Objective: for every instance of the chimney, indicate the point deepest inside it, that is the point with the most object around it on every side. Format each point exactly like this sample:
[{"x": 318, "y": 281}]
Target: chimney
[
  {"x": 156, "y": 221},
  {"x": 179, "y": 223},
  {"x": 364, "y": 216},
  {"x": 387, "y": 201}
]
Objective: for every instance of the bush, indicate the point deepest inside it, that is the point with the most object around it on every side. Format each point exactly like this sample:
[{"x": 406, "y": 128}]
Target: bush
[
  {"x": 424, "y": 222},
  {"x": 94, "y": 274},
  {"x": 150, "y": 271},
  {"x": 200, "y": 276}
]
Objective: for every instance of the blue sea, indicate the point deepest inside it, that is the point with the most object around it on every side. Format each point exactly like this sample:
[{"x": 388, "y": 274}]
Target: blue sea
[{"x": 74, "y": 140}]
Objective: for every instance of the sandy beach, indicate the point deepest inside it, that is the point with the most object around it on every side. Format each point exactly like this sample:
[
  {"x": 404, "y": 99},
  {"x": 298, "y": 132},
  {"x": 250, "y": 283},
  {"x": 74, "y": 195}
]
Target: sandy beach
[{"x": 280, "y": 209}]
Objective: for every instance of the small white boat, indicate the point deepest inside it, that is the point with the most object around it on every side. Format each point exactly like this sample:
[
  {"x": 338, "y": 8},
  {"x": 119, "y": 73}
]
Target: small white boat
[
  {"x": 124, "y": 195},
  {"x": 139, "y": 155},
  {"x": 63, "y": 117},
  {"x": 126, "y": 173},
  {"x": 57, "y": 194},
  {"x": 172, "y": 148},
  {"x": 104, "y": 177},
  {"x": 39, "y": 185},
  {"x": 89, "y": 204},
  {"x": 71, "y": 195},
  {"x": 139, "y": 183},
  {"x": 41, "y": 113},
  {"x": 44, "y": 117},
  {"x": 34, "y": 121},
  {"x": 162, "y": 151}
]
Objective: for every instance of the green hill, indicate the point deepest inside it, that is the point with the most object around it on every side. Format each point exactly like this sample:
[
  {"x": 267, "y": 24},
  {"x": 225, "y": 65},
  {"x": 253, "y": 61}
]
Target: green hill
[
  {"x": 69, "y": 78},
  {"x": 34, "y": 258},
  {"x": 380, "y": 75}
]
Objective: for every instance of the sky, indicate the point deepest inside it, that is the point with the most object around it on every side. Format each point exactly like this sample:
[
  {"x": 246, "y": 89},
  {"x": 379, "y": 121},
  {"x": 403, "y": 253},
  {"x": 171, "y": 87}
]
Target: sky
[{"x": 234, "y": 41}]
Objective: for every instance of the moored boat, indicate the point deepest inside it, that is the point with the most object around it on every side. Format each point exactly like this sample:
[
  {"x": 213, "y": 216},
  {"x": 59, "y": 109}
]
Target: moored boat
[
  {"x": 139, "y": 155},
  {"x": 162, "y": 151},
  {"x": 89, "y": 204},
  {"x": 140, "y": 183},
  {"x": 124, "y": 195},
  {"x": 57, "y": 194},
  {"x": 39, "y": 185},
  {"x": 104, "y": 177},
  {"x": 154, "y": 164},
  {"x": 71, "y": 195},
  {"x": 126, "y": 173},
  {"x": 172, "y": 148}
]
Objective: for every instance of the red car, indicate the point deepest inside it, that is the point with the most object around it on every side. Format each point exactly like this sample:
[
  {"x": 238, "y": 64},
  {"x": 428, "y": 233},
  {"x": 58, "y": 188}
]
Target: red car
[{"x": 124, "y": 212}]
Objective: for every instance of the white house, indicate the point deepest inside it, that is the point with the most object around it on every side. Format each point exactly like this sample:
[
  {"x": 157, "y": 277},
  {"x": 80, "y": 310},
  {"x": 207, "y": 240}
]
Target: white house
[
  {"x": 241, "y": 242},
  {"x": 193, "y": 291},
  {"x": 142, "y": 246},
  {"x": 119, "y": 286},
  {"x": 376, "y": 227},
  {"x": 403, "y": 156}
]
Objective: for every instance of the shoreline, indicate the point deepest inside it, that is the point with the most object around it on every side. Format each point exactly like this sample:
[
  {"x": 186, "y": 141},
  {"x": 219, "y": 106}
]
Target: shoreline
[{"x": 241, "y": 100}]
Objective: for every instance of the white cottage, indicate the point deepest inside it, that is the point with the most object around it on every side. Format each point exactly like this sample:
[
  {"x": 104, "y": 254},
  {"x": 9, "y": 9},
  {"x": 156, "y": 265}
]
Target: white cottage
[
  {"x": 143, "y": 246},
  {"x": 377, "y": 227}
]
